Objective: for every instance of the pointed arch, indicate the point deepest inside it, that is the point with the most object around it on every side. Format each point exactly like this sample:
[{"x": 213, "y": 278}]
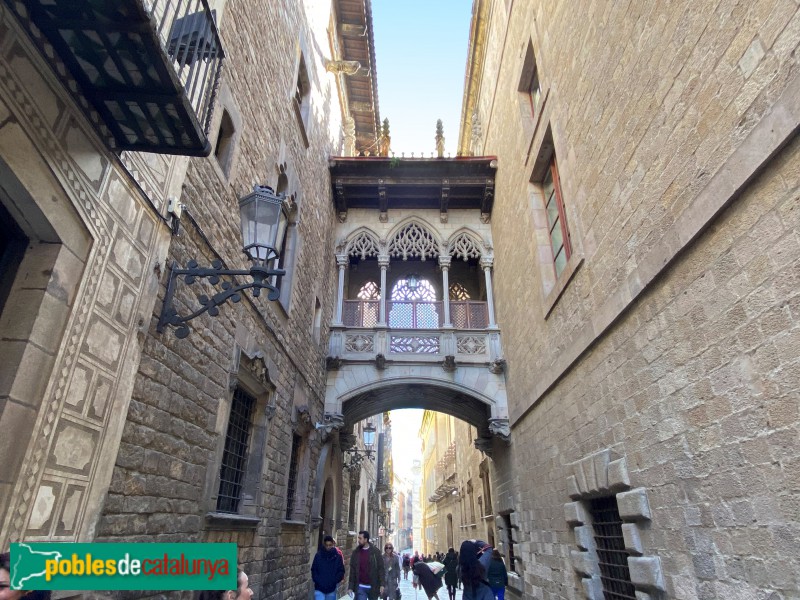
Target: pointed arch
[
  {"x": 465, "y": 244},
  {"x": 413, "y": 238},
  {"x": 363, "y": 242}
]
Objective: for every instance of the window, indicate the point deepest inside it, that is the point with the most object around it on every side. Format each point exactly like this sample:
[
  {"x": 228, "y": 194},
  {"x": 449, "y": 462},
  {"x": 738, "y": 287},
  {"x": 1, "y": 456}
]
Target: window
[
  {"x": 234, "y": 457},
  {"x": 352, "y": 506},
  {"x": 487, "y": 492},
  {"x": 458, "y": 292},
  {"x": 316, "y": 326},
  {"x": 611, "y": 553},
  {"x": 369, "y": 291},
  {"x": 509, "y": 531},
  {"x": 291, "y": 486},
  {"x": 223, "y": 151},
  {"x": 301, "y": 99},
  {"x": 530, "y": 92},
  {"x": 556, "y": 217},
  {"x": 472, "y": 519}
]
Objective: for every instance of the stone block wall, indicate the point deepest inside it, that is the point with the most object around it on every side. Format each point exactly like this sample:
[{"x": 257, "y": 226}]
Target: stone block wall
[
  {"x": 674, "y": 340},
  {"x": 167, "y": 467}
]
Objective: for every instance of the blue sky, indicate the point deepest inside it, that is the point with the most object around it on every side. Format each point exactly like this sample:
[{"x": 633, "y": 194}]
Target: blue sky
[{"x": 421, "y": 53}]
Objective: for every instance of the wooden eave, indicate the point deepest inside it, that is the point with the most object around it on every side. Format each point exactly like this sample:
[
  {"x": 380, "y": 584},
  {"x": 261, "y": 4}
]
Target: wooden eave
[
  {"x": 358, "y": 43},
  {"x": 382, "y": 183}
]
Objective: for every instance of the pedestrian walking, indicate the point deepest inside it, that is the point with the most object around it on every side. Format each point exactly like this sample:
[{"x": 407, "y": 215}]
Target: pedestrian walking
[
  {"x": 391, "y": 565},
  {"x": 451, "y": 573},
  {"x": 497, "y": 575},
  {"x": 366, "y": 570},
  {"x": 327, "y": 570},
  {"x": 428, "y": 580},
  {"x": 406, "y": 565},
  {"x": 414, "y": 578},
  {"x": 473, "y": 558}
]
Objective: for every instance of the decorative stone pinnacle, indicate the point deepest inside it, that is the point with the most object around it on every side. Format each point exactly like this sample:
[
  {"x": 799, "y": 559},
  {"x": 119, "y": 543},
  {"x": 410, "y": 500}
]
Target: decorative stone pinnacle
[
  {"x": 439, "y": 139},
  {"x": 385, "y": 140}
]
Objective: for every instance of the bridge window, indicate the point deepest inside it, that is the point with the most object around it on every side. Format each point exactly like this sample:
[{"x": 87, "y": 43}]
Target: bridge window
[
  {"x": 458, "y": 292},
  {"x": 369, "y": 291},
  {"x": 411, "y": 288}
]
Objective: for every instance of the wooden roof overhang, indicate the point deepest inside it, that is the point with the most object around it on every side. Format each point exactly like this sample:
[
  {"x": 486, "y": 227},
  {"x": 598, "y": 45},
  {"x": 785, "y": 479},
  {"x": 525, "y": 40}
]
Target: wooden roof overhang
[
  {"x": 358, "y": 43},
  {"x": 381, "y": 183}
]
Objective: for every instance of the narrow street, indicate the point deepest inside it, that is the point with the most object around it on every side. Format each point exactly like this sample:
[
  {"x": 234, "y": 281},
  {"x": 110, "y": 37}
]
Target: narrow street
[{"x": 408, "y": 591}]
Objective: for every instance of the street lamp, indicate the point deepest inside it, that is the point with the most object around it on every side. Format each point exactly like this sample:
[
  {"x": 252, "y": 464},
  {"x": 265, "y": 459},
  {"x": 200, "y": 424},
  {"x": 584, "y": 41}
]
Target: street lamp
[
  {"x": 356, "y": 455},
  {"x": 264, "y": 220}
]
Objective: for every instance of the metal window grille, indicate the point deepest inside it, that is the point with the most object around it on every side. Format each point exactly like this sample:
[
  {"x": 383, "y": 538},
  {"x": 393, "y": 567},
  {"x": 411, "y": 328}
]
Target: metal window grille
[
  {"x": 611, "y": 553},
  {"x": 291, "y": 486},
  {"x": 234, "y": 457}
]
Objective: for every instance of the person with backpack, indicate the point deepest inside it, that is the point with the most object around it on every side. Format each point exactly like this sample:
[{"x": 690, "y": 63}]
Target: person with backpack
[
  {"x": 497, "y": 575},
  {"x": 474, "y": 558},
  {"x": 327, "y": 570}
]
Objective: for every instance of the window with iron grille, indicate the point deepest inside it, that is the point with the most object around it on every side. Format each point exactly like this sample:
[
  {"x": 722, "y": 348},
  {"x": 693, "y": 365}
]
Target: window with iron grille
[
  {"x": 234, "y": 456},
  {"x": 291, "y": 486},
  {"x": 611, "y": 553}
]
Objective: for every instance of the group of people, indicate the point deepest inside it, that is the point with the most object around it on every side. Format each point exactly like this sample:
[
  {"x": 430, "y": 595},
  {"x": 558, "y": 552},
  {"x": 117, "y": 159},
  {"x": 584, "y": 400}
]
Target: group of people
[{"x": 477, "y": 567}]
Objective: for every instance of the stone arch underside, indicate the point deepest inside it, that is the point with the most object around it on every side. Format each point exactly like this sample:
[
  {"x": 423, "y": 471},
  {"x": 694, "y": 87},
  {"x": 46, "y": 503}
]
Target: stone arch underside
[{"x": 431, "y": 396}]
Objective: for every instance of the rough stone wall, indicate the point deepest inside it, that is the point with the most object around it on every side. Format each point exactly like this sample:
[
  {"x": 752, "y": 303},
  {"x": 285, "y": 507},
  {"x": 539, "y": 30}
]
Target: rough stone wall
[
  {"x": 687, "y": 370},
  {"x": 171, "y": 437}
]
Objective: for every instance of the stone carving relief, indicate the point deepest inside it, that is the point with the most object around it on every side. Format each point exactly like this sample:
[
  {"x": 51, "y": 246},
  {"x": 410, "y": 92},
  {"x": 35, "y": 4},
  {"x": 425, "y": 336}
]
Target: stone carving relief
[
  {"x": 464, "y": 246},
  {"x": 471, "y": 344},
  {"x": 364, "y": 244},
  {"x": 359, "y": 342}
]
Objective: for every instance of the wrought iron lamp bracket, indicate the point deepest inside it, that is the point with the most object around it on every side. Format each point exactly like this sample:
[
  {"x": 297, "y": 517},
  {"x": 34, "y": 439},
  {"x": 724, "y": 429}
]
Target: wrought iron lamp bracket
[{"x": 230, "y": 291}]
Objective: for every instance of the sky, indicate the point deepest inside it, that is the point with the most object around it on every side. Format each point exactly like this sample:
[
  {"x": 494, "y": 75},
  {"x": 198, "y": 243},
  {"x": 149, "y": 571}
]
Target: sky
[
  {"x": 421, "y": 58},
  {"x": 421, "y": 54}
]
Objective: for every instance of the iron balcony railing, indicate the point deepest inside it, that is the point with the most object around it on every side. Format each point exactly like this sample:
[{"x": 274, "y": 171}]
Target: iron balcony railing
[
  {"x": 146, "y": 71},
  {"x": 415, "y": 314}
]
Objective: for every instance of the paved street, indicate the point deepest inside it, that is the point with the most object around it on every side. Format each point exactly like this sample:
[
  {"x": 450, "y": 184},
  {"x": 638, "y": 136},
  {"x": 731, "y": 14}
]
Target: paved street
[{"x": 410, "y": 594}]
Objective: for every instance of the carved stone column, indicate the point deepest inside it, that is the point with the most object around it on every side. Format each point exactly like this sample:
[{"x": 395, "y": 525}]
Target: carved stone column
[
  {"x": 444, "y": 264},
  {"x": 341, "y": 262},
  {"x": 383, "y": 262},
  {"x": 486, "y": 264}
]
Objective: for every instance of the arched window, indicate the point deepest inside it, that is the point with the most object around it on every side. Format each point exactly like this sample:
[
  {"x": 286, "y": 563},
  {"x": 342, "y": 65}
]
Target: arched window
[
  {"x": 412, "y": 288},
  {"x": 458, "y": 292},
  {"x": 369, "y": 291}
]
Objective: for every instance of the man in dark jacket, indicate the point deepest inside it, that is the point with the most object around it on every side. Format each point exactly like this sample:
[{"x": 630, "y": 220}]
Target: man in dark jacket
[
  {"x": 366, "y": 570},
  {"x": 327, "y": 570}
]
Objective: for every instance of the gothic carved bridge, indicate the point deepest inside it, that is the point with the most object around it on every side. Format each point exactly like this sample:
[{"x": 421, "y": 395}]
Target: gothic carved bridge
[{"x": 472, "y": 392}]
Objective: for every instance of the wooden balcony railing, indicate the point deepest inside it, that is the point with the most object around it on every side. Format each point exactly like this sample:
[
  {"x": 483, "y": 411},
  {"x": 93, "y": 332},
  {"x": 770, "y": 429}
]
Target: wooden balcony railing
[{"x": 415, "y": 314}]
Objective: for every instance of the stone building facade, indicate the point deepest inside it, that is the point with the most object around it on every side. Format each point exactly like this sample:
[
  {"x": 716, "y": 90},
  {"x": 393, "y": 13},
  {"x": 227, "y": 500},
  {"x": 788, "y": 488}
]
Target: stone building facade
[
  {"x": 646, "y": 253},
  {"x": 121, "y": 431},
  {"x": 456, "y": 476}
]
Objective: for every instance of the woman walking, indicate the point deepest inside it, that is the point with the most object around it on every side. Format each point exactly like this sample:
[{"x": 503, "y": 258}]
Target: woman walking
[
  {"x": 451, "y": 573},
  {"x": 497, "y": 575},
  {"x": 391, "y": 566}
]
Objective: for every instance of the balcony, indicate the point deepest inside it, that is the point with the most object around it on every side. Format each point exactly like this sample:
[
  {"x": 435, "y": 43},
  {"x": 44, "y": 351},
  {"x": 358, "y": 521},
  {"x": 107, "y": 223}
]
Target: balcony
[{"x": 145, "y": 71}]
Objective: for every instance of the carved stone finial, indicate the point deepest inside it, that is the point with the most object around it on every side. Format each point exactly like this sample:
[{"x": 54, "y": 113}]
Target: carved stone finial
[
  {"x": 476, "y": 134},
  {"x": 385, "y": 140},
  {"x": 333, "y": 363},
  {"x": 439, "y": 139},
  {"x": 449, "y": 363},
  {"x": 349, "y": 127},
  {"x": 497, "y": 366},
  {"x": 343, "y": 67},
  {"x": 500, "y": 428},
  {"x": 380, "y": 362}
]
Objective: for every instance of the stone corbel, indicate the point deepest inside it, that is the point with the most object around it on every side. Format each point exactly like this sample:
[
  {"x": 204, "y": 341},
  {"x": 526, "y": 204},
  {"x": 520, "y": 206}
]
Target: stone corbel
[
  {"x": 449, "y": 364},
  {"x": 380, "y": 362},
  {"x": 330, "y": 422},
  {"x": 496, "y": 367},
  {"x": 484, "y": 445},
  {"x": 333, "y": 363},
  {"x": 501, "y": 429},
  {"x": 347, "y": 441}
]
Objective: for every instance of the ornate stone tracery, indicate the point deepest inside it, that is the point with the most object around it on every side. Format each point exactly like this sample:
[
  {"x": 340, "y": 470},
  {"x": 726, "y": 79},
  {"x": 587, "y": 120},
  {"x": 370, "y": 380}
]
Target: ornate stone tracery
[
  {"x": 364, "y": 244},
  {"x": 464, "y": 246},
  {"x": 413, "y": 241}
]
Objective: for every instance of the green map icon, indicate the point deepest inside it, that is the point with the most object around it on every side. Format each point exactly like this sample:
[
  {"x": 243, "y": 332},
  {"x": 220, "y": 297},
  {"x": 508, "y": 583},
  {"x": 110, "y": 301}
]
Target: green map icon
[{"x": 28, "y": 567}]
